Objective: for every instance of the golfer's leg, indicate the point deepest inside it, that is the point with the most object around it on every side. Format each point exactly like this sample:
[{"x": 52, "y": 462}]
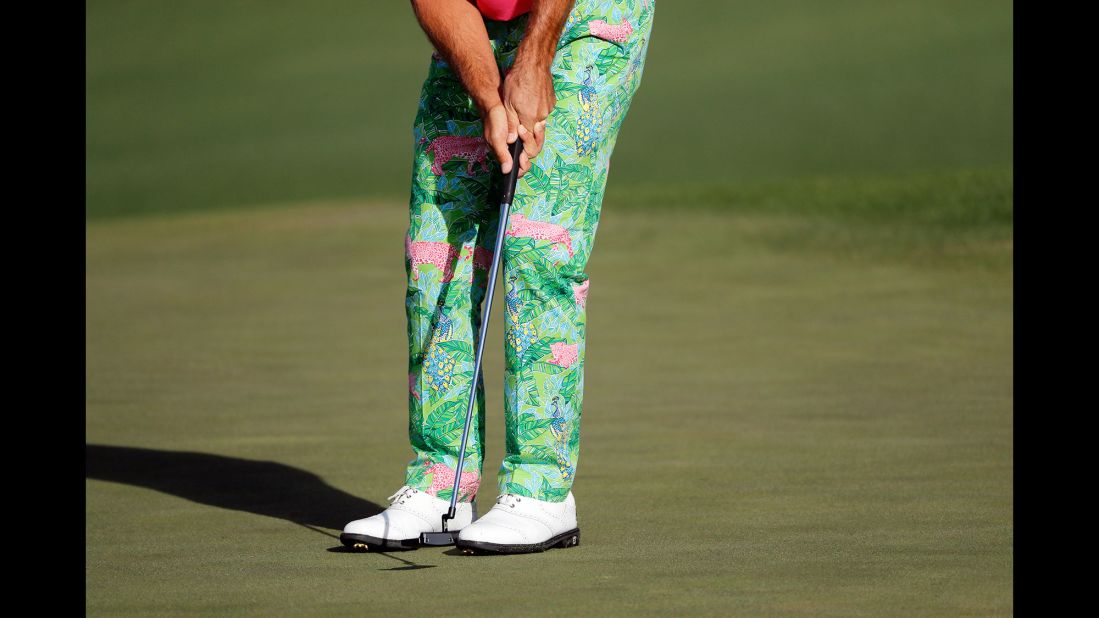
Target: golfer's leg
[
  {"x": 550, "y": 237},
  {"x": 446, "y": 284}
]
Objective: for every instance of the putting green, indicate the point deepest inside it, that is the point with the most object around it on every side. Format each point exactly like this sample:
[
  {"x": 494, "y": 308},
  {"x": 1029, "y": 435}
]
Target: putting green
[{"x": 788, "y": 411}]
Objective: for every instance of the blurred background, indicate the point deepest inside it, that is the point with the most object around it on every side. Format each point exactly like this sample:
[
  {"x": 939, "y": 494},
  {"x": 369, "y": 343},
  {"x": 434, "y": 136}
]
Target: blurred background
[
  {"x": 202, "y": 105},
  {"x": 799, "y": 377}
]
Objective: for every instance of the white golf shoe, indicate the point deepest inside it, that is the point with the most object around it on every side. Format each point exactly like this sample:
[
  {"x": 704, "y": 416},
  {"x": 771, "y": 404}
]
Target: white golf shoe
[
  {"x": 411, "y": 513},
  {"x": 518, "y": 525}
]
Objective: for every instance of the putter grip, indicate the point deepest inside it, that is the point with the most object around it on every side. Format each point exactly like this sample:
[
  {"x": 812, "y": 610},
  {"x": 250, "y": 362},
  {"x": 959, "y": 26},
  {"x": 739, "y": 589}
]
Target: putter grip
[{"x": 513, "y": 176}]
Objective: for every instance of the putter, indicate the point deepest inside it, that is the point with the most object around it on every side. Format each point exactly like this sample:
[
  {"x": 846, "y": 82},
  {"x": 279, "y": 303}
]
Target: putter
[{"x": 448, "y": 537}]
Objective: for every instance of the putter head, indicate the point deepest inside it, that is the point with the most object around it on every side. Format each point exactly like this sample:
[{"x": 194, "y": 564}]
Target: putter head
[
  {"x": 446, "y": 537},
  {"x": 438, "y": 539}
]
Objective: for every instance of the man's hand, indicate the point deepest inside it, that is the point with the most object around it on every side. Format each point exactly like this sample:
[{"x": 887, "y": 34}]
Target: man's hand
[
  {"x": 518, "y": 107},
  {"x": 499, "y": 134},
  {"x": 528, "y": 99},
  {"x": 457, "y": 31},
  {"x": 527, "y": 91}
]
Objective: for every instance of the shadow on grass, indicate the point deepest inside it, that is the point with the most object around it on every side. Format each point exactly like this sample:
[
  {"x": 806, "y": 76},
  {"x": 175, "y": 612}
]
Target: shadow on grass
[
  {"x": 406, "y": 565},
  {"x": 261, "y": 487}
]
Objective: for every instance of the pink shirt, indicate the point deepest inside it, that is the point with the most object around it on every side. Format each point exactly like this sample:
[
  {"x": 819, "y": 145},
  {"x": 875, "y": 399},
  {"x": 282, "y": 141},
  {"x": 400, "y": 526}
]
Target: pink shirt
[{"x": 502, "y": 10}]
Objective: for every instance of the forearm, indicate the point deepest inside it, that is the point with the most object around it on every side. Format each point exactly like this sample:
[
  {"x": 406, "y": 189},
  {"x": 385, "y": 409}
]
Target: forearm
[
  {"x": 457, "y": 31},
  {"x": 539, "y": 44}
]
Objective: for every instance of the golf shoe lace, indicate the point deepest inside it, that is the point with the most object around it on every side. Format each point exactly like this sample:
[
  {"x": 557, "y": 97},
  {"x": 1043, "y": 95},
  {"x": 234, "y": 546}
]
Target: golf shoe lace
[
  {"x": 404, "y": 492},
  {"x": 508, "y": 500}
]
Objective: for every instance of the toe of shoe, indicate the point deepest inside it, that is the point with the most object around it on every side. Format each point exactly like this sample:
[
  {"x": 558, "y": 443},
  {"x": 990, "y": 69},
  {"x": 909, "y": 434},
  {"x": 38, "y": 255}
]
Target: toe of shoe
[
  {"x": 380, "y": 526},
  {"x": 367, "y": 526}
]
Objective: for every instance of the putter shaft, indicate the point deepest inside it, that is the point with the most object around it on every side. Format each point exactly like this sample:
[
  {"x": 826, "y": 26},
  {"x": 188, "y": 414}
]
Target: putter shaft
[{"x": 505, "y": 207}]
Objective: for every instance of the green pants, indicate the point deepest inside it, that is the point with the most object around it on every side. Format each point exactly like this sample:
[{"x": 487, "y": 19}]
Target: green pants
[{"x": 453, "y": 219}]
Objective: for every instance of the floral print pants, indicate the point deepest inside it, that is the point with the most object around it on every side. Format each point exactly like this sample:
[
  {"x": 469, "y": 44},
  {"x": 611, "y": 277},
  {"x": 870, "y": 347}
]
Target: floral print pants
[{"x": 453, "y": 219}]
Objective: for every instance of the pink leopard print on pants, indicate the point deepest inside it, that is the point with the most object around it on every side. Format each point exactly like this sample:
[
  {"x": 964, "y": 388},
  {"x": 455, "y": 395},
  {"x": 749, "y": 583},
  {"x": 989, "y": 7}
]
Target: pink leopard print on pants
[
  {"x": 564, "y": 354},
  {"x": 442, "y": 478},
  {"x": 441, "y": 255},
  {"x": 447, "y": 147},
  {"x": 580, "y": 293},
  {"x": 618, "y": 33},
  {"x": 482, "y": 258},
  {"x": 540, "y": 230}
]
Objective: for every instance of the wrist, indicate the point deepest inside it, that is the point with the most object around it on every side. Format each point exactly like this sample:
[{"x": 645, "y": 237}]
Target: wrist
[
  {"x": 487, "y": 99},
  {"x": 532, "y": 63}
]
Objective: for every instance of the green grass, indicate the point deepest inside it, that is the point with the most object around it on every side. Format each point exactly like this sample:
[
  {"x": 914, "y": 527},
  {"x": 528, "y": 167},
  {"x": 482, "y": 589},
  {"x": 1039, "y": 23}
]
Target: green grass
[
  {"x": 952, "y": 219},
  {"x": 795, "y": 405},
  {"x": 244, "y": 102}
]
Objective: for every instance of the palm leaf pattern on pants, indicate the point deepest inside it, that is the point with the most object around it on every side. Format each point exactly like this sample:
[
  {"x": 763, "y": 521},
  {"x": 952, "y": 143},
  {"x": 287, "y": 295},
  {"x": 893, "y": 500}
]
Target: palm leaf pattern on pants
[{"x": 453, "y": 217}]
